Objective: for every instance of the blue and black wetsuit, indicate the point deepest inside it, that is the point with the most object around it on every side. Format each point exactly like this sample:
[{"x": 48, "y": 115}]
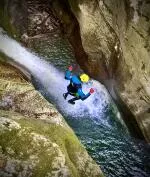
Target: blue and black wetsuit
[{"x": 75, "y": 88}]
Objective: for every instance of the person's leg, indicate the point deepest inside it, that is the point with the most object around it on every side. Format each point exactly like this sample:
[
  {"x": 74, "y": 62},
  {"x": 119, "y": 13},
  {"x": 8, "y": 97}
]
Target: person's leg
[
  {"x": 72, "y": 101},
  {"x": 65, "y": 95}
]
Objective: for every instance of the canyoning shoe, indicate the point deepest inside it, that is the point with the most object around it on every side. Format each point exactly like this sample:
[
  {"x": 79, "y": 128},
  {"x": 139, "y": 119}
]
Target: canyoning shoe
[
  {"x": 65, "y": 96},
  {"x": 71, "y": 102}
]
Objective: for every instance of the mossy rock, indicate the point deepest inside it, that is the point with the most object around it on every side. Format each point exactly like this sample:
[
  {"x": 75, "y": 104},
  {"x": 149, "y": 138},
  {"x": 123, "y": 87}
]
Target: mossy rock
[
  {"x": 5, "y": 19},
  {"x": 13, "y": 17}
]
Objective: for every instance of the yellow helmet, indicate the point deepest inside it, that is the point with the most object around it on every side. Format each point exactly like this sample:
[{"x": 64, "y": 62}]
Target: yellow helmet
[{"x": 84, "y": 77}]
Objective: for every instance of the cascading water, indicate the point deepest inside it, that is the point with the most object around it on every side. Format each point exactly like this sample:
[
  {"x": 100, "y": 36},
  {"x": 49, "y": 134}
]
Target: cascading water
[
  {"x": 53, "y": 80},
  {"x": 100, "y": 130}
]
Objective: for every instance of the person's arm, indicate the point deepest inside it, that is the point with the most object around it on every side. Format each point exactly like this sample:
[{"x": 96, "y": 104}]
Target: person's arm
[
  {"x": 68, "y": 74},
  {"x": 84, "y": 96}
]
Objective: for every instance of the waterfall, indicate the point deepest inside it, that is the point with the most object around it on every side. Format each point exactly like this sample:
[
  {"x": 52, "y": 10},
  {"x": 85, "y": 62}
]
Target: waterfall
[{"x": 53, "y": 80}]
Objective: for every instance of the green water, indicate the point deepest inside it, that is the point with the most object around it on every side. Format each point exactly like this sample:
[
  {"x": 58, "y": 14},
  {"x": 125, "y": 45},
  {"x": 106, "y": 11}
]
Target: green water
[
  {"x": 118, "y": 154},
  {"x": 106, "y": 139},
  {"x": 54, "y": 48}
]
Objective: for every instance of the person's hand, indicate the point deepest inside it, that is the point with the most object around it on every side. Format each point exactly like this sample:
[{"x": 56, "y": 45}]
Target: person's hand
[
  {"x": 91, "y": 90},
  {"x": 70, "y": 68}
]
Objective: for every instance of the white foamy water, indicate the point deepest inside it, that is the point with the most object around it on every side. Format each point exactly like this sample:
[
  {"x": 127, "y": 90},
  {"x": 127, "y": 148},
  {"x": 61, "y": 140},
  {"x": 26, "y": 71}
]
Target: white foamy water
[{"x": 53, "y": 80}]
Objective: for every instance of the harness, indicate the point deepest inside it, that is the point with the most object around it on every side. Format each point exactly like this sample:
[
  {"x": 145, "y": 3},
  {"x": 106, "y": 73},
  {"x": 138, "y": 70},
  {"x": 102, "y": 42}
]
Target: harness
[{"x": 73, "y": 88}]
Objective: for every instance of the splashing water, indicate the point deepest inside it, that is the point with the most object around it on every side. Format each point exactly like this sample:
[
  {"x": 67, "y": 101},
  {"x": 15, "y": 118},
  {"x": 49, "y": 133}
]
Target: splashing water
[{"x": 54, "y": 82}]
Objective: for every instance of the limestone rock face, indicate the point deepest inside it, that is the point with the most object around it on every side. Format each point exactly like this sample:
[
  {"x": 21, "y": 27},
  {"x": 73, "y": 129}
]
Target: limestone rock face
[
  {"x": 116, "y": 37},
  {"x": 41, "y": 19},
  {"x": 34, "y": 138}
]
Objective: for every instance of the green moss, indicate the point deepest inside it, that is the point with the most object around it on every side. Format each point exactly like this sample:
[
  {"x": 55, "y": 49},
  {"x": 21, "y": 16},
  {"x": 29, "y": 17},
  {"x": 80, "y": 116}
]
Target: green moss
[
  {"x": 74, "y": 5},
  {"x": 5, "y": 21},
  {"x": 66, "y": 7},
  {"x": 3, "y": 57}
]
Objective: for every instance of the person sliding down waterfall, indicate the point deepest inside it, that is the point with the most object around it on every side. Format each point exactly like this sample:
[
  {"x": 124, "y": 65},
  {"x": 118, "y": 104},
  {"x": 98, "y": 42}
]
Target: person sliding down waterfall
[{"x": 75, "y": 86}]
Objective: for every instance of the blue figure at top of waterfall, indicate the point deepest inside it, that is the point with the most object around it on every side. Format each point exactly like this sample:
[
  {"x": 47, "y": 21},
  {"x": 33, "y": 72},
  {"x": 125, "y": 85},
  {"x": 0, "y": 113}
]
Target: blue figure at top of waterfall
[{"x": 75, "y": 86}]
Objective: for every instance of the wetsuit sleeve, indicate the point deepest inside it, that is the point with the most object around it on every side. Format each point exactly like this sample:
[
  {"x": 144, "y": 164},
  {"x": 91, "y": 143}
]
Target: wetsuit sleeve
[
  {"x": 82, "y": 95},
  {"x": 68, "y": 75}
]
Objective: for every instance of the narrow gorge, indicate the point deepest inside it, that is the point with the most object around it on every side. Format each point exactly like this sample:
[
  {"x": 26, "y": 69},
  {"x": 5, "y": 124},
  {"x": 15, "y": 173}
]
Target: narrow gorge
[{"x": 40, "y": 132}]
